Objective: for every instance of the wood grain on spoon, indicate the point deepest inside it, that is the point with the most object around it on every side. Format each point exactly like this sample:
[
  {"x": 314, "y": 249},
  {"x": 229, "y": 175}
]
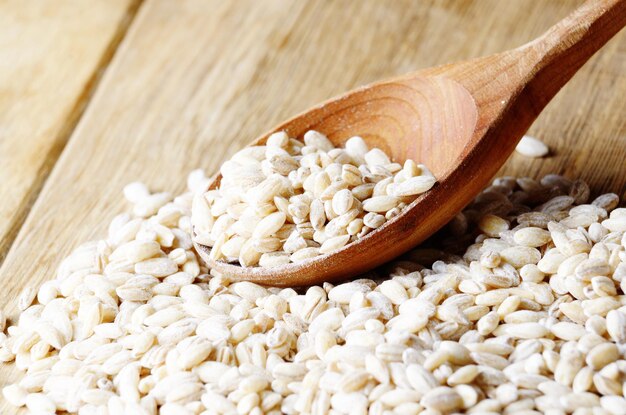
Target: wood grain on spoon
[{"x": 461, "y": 120}]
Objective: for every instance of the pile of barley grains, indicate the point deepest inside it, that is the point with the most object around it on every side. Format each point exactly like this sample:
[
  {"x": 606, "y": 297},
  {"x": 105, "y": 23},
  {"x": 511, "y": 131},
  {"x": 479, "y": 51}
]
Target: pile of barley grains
[
  {"x": 529, "y": 318},
  {"x": 288, "y": 201}
]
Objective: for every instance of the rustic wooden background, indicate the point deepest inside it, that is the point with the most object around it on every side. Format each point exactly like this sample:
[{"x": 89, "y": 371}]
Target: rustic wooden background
[{"x": 96, "y": 94}]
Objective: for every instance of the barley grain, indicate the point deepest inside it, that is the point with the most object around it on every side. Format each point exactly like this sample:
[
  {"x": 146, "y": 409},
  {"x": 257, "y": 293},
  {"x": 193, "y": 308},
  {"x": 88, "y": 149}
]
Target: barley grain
[
  {"x": 414, "y": 186},
  {"x": 15, "y": 395},
  {"x": 531, "y": 147},
  {"x": 26, "y": 298},
  {"x": 39, "y": 403}
]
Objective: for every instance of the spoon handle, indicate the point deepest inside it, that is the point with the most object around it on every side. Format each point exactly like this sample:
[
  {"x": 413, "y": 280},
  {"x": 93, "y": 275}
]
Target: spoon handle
[{"x": 558, "y": 54}]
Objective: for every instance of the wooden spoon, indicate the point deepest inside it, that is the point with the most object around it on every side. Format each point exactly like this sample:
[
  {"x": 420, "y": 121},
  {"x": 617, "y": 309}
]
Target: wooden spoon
[{"x": 462, "y": 120}]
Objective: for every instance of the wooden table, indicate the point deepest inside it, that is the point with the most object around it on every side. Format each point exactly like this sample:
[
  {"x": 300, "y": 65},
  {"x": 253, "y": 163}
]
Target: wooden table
[{"x": 96, "y": 94}]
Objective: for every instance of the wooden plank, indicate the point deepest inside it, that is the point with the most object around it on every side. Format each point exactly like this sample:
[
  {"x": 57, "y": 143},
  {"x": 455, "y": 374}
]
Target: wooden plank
[
  {"x": 195, "y": 80},
  {"x": 51, "y": 53}
]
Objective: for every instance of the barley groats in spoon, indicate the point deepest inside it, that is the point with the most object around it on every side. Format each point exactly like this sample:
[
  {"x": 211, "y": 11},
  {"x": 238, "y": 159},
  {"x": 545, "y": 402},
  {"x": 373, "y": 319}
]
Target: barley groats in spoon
[
  {"x": 288, "y": 200},
  {"x": 462, "y": 120}
]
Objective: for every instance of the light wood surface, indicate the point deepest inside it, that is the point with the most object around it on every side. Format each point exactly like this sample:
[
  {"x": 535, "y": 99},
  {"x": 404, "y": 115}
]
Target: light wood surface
[
  {"x": 462, "y": 120},
  {"x": 193, "y": 80},
  {"x": 50, "y": 57}
]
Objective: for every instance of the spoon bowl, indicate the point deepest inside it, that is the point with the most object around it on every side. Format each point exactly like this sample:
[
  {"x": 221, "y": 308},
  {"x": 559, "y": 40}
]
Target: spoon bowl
[{"x": 461, "y": 120}]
